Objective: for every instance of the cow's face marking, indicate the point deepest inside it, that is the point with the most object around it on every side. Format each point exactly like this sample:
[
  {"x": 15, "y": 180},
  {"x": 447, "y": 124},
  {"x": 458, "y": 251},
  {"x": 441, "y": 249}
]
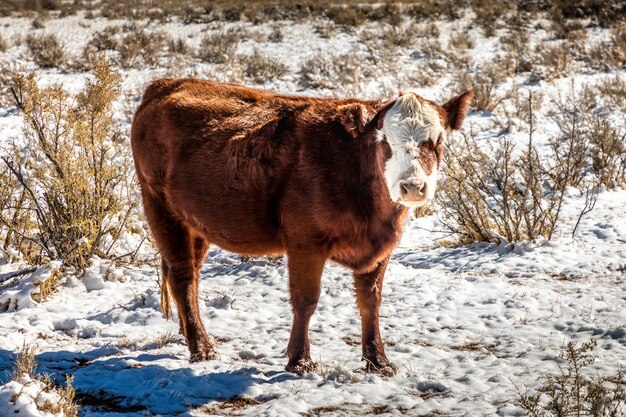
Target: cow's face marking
[{"x": 414, "y": 129}]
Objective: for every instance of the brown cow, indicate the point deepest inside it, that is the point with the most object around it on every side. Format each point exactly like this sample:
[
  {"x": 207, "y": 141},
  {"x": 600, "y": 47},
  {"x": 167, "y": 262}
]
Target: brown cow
[{"x": 259, "y": 173}]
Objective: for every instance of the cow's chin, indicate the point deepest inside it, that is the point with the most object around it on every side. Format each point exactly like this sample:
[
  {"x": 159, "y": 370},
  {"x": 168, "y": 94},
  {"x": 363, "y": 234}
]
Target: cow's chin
[{"x": 413, "y": 204}]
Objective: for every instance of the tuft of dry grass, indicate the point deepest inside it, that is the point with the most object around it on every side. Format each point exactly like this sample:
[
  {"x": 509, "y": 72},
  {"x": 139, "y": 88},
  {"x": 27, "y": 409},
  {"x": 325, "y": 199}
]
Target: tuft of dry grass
[
  {"x": 47, "y": 287},
  {"x": 25, "y": 362},
  {"x": 25, "y": 365},
  {"x": 4, "y": 44}
]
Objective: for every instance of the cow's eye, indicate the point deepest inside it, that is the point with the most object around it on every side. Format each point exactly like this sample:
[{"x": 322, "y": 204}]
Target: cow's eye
[{"x": 439, "y": 139}]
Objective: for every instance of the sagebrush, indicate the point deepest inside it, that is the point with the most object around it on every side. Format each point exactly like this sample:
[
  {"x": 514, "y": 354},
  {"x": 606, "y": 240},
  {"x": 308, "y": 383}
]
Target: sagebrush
[{"x": 67, "y": 192}]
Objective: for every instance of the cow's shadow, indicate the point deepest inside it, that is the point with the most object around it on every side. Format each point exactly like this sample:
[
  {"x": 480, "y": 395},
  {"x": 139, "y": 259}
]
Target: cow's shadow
[{"x": 107, "y": 380}]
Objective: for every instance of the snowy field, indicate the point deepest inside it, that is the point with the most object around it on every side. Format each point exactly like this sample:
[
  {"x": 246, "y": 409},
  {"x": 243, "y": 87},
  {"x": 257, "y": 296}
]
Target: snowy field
[{"x": 469, "y": 326}]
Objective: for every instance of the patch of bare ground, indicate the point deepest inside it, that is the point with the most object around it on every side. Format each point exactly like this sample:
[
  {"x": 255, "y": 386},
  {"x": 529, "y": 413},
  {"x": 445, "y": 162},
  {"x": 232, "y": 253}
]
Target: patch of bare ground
[
  {"x": 102, "y": 401},
  {"x": 475, "y": 347},
  {"x": 229, "y": 407}
]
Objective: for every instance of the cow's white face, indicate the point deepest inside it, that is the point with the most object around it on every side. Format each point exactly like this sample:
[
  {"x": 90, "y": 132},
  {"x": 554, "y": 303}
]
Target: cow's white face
[{"x": 414, "y": 131}]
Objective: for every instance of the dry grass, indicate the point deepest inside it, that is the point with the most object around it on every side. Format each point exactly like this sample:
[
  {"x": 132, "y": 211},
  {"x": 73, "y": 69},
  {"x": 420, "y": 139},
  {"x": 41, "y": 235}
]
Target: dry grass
[
  {"x": 164, "y": 340},
  {"x": 47, "y": 287},
  {"x": 46, "y": 50},
  {"x": 25, "y": 362},
  {"x": 25, "y": 365},
  {"x": 4, "y": 44}
]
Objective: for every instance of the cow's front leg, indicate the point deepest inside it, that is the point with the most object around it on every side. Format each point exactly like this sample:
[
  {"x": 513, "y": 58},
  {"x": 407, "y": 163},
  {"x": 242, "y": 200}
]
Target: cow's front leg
[
  {"x": 305, "y": 272},
  {"x": 369, "y": 288}
]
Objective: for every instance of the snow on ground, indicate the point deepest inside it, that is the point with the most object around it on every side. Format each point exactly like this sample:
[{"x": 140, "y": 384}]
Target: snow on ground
[{"x": 466, "y": 325}]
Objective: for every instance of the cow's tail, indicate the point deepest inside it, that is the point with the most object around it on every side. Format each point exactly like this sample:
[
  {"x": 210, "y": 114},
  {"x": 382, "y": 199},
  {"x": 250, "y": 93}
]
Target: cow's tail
[{"x": 166, "y": 306}]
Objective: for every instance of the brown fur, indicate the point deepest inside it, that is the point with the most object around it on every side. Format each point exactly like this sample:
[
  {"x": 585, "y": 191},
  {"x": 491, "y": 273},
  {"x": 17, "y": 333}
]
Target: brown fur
[{"x": 258, "y": 173}]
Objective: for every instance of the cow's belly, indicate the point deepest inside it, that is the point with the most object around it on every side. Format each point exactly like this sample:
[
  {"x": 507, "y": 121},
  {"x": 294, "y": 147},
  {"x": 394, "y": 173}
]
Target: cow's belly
[{"x": 236, "y": 222}]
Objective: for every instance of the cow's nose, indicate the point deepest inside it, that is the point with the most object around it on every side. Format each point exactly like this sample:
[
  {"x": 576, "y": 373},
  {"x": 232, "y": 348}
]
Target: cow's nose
[{"x": 412, "y": 191}]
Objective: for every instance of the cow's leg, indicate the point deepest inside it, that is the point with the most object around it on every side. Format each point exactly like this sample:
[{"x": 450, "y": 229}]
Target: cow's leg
[
  {"x": 369, "y": 295},
  {"x": 178, "y": 250},
  {"x": 305, "y": 273}
]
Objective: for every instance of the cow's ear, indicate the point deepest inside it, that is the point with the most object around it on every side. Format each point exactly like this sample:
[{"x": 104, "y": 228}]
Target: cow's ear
[
  {"x": 355, "y": 117},
  {"x": 456, "y": 109}
]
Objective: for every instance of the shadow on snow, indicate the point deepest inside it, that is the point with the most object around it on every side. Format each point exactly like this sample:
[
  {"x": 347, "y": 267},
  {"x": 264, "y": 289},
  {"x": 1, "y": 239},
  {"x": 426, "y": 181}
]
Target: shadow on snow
[{"x": 132, "y": 383}]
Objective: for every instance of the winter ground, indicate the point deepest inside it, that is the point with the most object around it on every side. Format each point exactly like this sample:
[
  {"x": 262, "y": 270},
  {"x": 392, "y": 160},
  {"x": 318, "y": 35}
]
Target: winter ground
[{"x": 467, "y": 325}]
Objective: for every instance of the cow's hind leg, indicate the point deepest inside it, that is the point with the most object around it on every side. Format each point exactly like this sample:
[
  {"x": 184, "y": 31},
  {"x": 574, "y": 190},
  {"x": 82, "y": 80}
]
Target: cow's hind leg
[
  {"x": 179, "y": 250},
  {"x": 369, "y": 288},
  {"x": 305, "y": 272}
]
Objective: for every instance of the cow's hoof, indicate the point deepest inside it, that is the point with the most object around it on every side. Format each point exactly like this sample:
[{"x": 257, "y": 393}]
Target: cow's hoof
[
  {"x": 302, "y": 367},
  {"x": 204, "y": 355},
  {"x": 383, "y": 367},
  {"x": 204, "y": 351}
]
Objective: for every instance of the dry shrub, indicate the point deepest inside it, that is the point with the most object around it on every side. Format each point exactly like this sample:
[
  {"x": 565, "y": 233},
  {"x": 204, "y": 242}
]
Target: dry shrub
[
  {"x": 589, "y": 140},
  {"x": 608, "y": 153},
  {"x": 429, "y": 9},
  {"x": 105, "y": 39},
  {"x": 329, "y": 72},
  {"x": 487, "y": 14},
  {"x": 461, "y": 41},
  {"x": 75, "y": 190},
  {"x": 488, "y": 197},
  {"x": 348, "y": 16},
  {"x": 605, "y": 56},
  {"x": 484, "y": 83},
  {"x": 576, "y": 390},
  {"x": 603, "y": 13},
  {"x": 276, "y": 35},
  {"x": 325, "y": 29},
  {"x": 504, "y": 194},
  {"x": 516, "y": 42},
  {"x": 613, "y": 90},
  {"x": 402, "y": 36},
  {"x": 262, "y": 68},
  {"x": 218, "y": 47},
  {"x": 552, "y": 61},
  {"x": 40, "y": 21},
  {"x": 4, "y": 45},
  {"x": 46, "y": 50},
  {"x": 178, "y": 47},
  {"x": 47, "y": 287},
  {"x": 516, "y": 108},
  {"x": 388, "y": 12},
  {"x": 140, "y": 48}
]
